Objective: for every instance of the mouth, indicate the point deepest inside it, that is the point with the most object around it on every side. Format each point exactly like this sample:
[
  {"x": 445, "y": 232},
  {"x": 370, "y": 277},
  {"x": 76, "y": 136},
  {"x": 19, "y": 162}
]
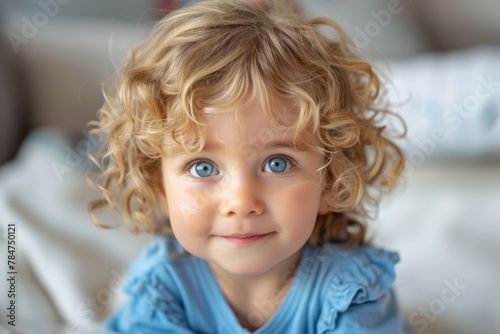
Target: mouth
[{"x": 246, "y": 238}]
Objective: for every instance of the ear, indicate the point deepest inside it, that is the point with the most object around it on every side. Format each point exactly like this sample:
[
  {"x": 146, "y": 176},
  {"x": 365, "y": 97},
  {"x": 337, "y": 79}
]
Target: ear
[
  {"x": 326, "y": 197},
  {"x": 324, "y": 206},
  {"x": 160, "y": 193},
  {"x": 162, "y": 201}
]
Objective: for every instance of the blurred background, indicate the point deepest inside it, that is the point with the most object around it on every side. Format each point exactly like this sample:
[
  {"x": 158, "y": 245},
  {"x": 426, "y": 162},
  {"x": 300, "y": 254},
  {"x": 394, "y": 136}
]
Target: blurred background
[{"x": 440, "y": 60}]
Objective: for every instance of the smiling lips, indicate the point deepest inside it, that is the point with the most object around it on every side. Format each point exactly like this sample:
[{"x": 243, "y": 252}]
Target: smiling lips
[{"x": 245, "y": 239}]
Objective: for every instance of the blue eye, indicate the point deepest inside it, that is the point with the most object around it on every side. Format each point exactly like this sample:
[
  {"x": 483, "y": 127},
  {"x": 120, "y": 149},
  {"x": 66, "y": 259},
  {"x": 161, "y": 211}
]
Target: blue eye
[
  {"x": 277, "y": 165},
  {"x": 203, "y": 169}
]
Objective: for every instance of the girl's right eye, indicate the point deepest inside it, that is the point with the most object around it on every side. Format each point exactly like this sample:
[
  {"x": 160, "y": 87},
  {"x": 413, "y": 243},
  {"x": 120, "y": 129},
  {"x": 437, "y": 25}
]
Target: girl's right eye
[{"x": 203, "y": 169}]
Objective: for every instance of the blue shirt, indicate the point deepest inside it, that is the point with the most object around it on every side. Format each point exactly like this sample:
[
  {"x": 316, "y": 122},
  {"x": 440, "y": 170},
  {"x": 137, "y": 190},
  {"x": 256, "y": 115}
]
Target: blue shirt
[{"x": 335, "y": 290}]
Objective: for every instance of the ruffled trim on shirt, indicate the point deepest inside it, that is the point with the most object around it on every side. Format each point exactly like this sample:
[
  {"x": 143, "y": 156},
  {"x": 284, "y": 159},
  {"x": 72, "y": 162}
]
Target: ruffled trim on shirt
[
  {"x": 163, "y": 250},
  {"x": 149, "y": 278},
  {"x": 360, "y": 275}
]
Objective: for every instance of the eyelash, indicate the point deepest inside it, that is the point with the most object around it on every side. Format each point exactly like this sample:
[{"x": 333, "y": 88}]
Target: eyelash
[
  {"x": 187, "y": 167},
  {"x": 288, "y": 159}
]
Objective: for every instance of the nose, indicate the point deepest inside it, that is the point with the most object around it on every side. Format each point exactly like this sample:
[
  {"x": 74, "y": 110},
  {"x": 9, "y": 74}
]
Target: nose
[{"x": 241, "y": 198}]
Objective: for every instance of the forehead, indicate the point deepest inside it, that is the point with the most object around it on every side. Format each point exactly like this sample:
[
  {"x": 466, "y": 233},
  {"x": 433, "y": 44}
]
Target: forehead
[
  {"x": 246, "y": 125},
  {"x": 250, "y": 120}
]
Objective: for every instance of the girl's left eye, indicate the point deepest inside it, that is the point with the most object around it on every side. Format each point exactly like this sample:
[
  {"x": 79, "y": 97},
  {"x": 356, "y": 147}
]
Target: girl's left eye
[
  {"x": 203, "y": 169},
  {"x": 277, "y": 165}
]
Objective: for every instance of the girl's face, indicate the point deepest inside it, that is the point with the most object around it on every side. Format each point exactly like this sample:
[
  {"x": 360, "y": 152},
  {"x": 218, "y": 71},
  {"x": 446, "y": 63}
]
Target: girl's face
[{"x": 249, "y": 200}]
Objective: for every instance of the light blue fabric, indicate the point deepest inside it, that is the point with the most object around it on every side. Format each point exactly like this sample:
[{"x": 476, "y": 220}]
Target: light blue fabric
[{"x": 335, "y": 290}]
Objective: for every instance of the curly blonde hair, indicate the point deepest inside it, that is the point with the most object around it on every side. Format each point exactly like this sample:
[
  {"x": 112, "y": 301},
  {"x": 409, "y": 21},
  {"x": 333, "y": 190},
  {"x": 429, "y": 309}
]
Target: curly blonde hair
[{"x": 224, "y": 53}]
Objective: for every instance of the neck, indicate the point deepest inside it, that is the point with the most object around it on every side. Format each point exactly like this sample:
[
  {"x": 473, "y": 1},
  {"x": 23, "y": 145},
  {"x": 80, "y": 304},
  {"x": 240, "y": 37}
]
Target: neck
[{"x": 248, "y": 293}]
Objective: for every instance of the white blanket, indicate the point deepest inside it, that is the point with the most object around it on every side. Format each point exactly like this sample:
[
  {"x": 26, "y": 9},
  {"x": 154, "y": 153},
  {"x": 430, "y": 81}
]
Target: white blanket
[{"x": 69, "y": 271}]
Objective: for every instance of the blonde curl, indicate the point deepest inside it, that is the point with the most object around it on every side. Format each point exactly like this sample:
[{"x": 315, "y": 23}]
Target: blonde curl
[{"x": 225, "y": 53}]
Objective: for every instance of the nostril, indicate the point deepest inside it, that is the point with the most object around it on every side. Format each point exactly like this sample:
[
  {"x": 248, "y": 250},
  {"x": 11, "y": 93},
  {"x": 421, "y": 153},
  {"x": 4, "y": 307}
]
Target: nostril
[{"x": 240, "y": 208}]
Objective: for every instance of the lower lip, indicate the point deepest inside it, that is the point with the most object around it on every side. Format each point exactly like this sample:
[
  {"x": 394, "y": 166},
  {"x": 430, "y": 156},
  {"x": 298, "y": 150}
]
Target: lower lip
[{"x": 246, "y": 241}]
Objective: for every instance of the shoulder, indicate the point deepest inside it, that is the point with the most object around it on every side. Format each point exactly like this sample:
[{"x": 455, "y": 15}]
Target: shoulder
[
  {"x": 352, "y": 277},
  {"x": 163, "y": 250},
  {"x": 368, "y": 267},
  {"x": 153, "y": 289},
  {"x": 156, "y": 267}
]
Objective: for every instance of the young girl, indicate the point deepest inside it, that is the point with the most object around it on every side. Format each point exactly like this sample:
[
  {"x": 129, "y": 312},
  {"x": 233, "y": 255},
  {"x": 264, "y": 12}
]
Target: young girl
[{"x": 259, "y": 140}]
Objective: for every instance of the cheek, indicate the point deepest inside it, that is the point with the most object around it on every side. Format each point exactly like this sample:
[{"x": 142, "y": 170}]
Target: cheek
[
  {"x": 300, "y": 202},
  {"x": 188, "y": 209}
]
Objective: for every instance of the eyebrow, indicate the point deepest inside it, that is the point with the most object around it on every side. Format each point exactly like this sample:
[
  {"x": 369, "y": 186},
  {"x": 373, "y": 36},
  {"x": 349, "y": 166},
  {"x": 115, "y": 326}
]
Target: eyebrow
[
  {"x": 299, "y": 146},
  {"x": 274, "y": 144}
]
